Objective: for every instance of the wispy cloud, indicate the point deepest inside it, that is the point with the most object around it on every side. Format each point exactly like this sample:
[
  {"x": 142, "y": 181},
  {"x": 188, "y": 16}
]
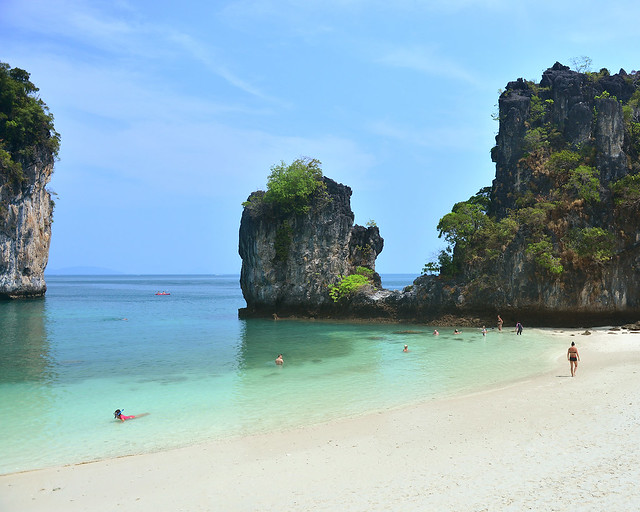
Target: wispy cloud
[
  {"x": 281, "y": 7},
  {"x": 212, "y": 60},
  {"x": 145, "y": 136},
  {"x": 122, "y": 33},
  {"x": 427, "y": 60},
  {"x": 440, "y": 137}
]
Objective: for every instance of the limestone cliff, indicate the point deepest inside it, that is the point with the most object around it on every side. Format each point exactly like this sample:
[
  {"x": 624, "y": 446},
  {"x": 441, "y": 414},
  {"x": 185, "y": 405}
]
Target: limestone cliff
[
  {"x": 554, "y": 241},
  {"x": 28, "y": 145},
  {"x": 290, "y": 260},
  {"x": 25, "y": 230},
  {"x": 558, "y": 241}
]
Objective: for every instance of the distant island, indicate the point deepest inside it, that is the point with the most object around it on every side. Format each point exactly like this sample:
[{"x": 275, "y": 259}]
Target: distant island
[
  {"x": 555, "y": 240},
  {"x": 28, "y": 147}
]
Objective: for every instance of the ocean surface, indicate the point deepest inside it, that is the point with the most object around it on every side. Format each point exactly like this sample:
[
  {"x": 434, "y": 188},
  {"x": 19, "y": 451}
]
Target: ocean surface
[{"x": 98, "y": 343}]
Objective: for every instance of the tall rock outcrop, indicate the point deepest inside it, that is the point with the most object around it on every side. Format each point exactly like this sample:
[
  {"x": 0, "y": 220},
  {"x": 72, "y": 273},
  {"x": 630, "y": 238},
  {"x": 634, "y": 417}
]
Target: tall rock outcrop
[
  {"x": 28, "y": 146},
  {"x": 554, "y": 241},
  {"x": 25, "y": 230},
  {"x": 558, "y": 239},
  {"x": 289, "y": 261},
  {"x": 582, "y": 110}
]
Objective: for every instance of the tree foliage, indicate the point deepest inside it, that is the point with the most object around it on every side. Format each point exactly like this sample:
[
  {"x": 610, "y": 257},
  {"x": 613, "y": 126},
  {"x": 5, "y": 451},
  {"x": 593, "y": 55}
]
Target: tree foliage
[
  {"x": 563, "y": 161},
  {"x": 593, "y": 243},
  {"x": 444, "y": 266},
  {"x": 349, "y": 285},
  {"x": 473, "y": 232},
  {"x": 626, "y": 191},
  {"x": 25, "y": 122},
  {"x": 584, "y": 183},
  {"x": 543, "y": 253},
  {"x": 290, "y": 187},
  {"x": 465, "y": 220}
]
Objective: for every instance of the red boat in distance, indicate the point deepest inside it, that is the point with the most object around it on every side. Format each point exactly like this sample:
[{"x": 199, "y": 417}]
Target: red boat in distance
[{"x": 163, "y": 293}]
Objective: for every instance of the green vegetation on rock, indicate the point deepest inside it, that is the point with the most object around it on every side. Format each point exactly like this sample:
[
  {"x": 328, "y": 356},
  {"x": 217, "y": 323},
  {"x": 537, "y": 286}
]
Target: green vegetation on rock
[
  {"x": 554, "y": 208},
  {"x": 348, "y": 285},
  {"x": 583, "y": 183},
  {"x": 544, "y": 256},
  {"x": 25, "y": 123},
  {"x": 290, "y": 187},
  {"x": 626, "y": 192},
  {"x": 592, "y": 243},
  {"x": 282, "y": 242},
  {"x": 474, "y": 233}
]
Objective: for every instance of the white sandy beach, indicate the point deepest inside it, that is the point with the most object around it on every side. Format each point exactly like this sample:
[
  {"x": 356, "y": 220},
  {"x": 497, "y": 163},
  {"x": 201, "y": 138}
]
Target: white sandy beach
[{"x": 551, "y": 443}]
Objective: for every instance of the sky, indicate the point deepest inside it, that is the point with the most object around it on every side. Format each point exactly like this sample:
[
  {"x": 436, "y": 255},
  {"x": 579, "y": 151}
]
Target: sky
[{"x": 172, "y": 113}]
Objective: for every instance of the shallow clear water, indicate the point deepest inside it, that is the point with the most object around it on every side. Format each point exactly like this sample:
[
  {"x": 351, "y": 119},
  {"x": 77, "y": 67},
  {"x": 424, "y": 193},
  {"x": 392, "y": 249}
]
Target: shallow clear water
[{"x": 95, "y": 344}]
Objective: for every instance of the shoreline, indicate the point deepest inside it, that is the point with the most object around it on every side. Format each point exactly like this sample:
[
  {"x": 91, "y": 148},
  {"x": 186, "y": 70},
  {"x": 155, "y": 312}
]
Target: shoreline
[{"x": 532, "y": 443}]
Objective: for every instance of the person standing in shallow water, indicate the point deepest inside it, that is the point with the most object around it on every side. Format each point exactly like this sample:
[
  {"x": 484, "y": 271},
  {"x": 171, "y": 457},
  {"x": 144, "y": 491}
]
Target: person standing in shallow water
[
  {"x": 519, "y": 328},
  {"x": 500, "y": 322},
  {"x": 573, "y": 356}
]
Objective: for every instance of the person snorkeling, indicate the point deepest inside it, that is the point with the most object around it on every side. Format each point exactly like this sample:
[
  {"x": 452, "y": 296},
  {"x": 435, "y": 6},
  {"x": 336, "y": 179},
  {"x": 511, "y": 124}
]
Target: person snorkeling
[{"x": 119, "y": 416}]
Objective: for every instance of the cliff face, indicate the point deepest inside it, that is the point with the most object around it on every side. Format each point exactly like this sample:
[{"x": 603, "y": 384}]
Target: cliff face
[
  {"x": 554, "y": 241},
  {"x": 25, "y": 229},
  {"x": 583, "y": 110},
  {"x": 28, "y": 147},
  {"x": 567, "y": 163},
  {"x": 289, "y": 261}
]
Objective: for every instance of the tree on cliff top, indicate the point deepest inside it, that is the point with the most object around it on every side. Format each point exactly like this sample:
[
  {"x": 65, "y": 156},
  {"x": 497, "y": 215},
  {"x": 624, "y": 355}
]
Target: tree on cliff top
[
  {"x": 290, "y": 187},
  {"x": 25, "y": 122}
]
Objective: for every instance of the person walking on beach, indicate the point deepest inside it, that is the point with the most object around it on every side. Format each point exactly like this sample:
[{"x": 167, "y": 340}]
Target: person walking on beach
[
  {"x": 279, "y": 360},
  {"x": 519, "y": 328},
  {"x": 500, "y": 323},
  {"x": 573, "y": 357}
]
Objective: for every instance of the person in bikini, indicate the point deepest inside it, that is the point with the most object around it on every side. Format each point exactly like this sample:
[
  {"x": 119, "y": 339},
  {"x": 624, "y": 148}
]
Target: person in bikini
[{"x": 573, "y": 357}]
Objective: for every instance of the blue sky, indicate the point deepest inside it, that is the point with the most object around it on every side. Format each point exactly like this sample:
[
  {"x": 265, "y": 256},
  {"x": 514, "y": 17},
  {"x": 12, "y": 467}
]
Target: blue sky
[{"x": 171, "y": 113}]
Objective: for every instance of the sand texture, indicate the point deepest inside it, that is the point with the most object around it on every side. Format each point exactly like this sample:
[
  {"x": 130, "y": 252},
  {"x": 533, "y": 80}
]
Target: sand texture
[{"x": 550, "y": 443}]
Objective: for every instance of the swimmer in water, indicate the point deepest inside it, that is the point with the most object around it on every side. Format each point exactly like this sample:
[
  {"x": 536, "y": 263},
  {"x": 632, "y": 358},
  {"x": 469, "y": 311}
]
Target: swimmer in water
[
  {"x": 119, "y": 416},
  {"x": 406, "y": 348},
  {"x": 279, "y": 360}
]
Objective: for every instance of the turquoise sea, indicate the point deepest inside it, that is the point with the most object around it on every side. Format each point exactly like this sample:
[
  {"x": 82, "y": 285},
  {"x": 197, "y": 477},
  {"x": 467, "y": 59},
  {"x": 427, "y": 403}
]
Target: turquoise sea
[{"x": 98, "y": 343}]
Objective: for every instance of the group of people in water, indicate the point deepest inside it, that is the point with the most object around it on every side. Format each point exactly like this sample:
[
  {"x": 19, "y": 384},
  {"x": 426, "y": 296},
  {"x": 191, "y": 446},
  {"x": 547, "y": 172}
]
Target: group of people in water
[{"x": 572, "y": 356}]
